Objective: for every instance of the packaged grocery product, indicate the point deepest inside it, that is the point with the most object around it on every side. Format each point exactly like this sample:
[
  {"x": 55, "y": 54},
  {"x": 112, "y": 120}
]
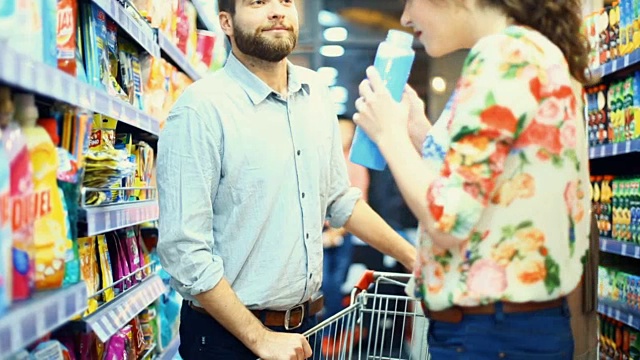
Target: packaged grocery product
[
  {"x": 66, "y": 36},
  {"x": 50, "y": 350},
  {"x": 26, "y": 36},
  {"x": 67, "y": 187},
  {"x": 21, "y": 194},
  {"x": 50, "y": 229},
  {"x": 132, "y": 252},
  {"x": 89, "y": 269},
  {"x": 106, "y": 270},
  {"x": 94, "y": 39},
  {"x": 49, "y": 31},
  {"x": 6, "y": 285},
  {"x": 116, "y": 347}
]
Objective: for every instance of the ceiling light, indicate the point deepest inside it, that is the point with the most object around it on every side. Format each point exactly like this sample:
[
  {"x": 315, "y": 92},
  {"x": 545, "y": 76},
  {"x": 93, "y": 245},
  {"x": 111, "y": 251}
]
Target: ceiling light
[
  {"x": 336, "y": 34},
  {"x": 332, "y": 50},
  {"x": 438, "y": 84},
  {"x": 327, "y": 18},
  {"x": 339, "y": 94},
  {"x": 328, "y": 75}
]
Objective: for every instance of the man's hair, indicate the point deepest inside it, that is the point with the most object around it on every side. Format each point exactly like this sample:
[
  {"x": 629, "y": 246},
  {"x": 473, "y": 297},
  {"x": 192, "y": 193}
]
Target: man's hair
[{"x": 227, "y": 6}]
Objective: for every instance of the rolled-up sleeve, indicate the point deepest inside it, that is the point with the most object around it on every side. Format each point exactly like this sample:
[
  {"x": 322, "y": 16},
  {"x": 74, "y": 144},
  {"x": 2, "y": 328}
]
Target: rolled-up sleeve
[
  {"x": 188, "y": 171},
  {"x": 342, "y": 197}
]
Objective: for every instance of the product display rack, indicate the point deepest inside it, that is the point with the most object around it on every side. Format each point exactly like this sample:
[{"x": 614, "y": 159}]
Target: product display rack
[
  {"x": 603, "y": 158},
  {"x": 21, "y": 72},
  {"x": 27, "y": 321}
]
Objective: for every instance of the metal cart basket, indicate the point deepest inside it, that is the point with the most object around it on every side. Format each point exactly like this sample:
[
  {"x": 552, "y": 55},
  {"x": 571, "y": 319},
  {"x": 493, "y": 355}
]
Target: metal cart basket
[{"x": 381, "y": 323}]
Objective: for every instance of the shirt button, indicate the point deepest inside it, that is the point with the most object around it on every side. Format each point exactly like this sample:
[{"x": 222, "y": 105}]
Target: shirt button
[
  {"x": 298, "y": 152},
  {"x": 307, "y": 235},
  {"x": 502, "y": 355},
  {"x": 303, "y": 195},
  {"x": 310, "y": 276}
]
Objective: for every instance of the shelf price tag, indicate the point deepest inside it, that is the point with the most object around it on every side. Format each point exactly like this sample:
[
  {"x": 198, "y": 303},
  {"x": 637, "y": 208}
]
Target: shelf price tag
[
  {"x": 636, "y": 252},
  {"x": 603, "y": 245},
  {"x": 614, "y": 149},
  {"x": 603, "y": 151},
  {"x": 626, "y": 61},
  {"x": 630, "y": 320},
  {"x": 623, "y": 249},
  {"x": 107, "y": 221},
  {"x": 614, "y": 66},
  {"x": 627, "y": 147},
  {"x": 119, "y": 219}
]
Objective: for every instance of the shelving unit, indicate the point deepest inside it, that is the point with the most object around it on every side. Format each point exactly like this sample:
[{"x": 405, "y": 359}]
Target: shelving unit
[
  {"x": 141, "y": 32},
  {"x": 620, "y": 248},
  {"x": 117, "y": 313},
  {"x": 100, "y": 220},
  {"x": 27, "y": 321},
  {"x": 624, "y": 317},
  {"x": 20, "y": 71},
  {"x": 178, "y": 57}
]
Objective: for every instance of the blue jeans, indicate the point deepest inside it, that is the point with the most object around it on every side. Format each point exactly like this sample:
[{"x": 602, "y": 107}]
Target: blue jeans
[
  {"x": 202, "y": 337},
  {"x": 538, "y": 335},
  {"x": 336, "y": 264}
]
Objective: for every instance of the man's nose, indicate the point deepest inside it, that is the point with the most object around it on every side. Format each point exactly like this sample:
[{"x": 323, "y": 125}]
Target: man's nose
[{"x": 277, "y": 11}]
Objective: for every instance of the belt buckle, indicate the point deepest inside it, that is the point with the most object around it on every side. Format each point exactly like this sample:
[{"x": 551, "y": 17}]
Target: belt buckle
[{"x": 287, "y": 317}]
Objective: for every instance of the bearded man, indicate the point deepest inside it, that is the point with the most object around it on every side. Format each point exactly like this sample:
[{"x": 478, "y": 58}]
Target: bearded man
[{"x": 250, "y": 165}]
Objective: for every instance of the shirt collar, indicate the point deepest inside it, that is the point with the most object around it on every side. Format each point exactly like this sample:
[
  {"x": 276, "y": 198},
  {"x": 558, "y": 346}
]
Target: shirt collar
[{"x": 258, "y": 90}]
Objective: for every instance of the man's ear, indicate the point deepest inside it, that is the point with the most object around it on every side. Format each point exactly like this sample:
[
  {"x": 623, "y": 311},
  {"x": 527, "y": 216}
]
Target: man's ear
[{"x": 226, "y": 23}]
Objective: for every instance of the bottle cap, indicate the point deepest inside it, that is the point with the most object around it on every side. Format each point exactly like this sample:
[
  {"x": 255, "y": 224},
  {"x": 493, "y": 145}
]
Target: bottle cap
[
  {"x": 400, "y": 38},
  {"x": 26, "y": 110}
]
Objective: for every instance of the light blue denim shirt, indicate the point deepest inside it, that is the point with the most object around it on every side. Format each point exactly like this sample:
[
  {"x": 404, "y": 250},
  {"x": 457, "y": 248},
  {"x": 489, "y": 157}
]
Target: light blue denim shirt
[{"x": 246, "y": 178}]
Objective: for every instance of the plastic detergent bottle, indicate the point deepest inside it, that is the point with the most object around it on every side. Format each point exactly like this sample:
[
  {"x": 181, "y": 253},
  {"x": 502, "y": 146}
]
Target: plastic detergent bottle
[
  {"x": 6, "y": 110},
  {"x": 21, "y": 193},
  {"x": 393, "y": 61},
  {"x": 50, "y": 229}
]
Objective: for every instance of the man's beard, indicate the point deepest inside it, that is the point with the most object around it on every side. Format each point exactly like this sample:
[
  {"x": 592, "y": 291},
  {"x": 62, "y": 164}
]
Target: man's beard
[{"x": 263, "y": 48}]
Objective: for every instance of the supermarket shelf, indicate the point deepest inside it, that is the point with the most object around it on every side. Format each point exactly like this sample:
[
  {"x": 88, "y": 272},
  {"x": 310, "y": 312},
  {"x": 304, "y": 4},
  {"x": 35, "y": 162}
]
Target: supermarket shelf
[
  {"x": 620, "y": 315},
  {"x": 616, "y": 65},
  {"x": 619, "y": 248},
  {"x": 608, "y": 150},
  {"x": 27, "y": 321},
  {"x": 100, "y": 220},
  {"x": 178, "y": 57},
  {"x": 141, "y": 32},
  {"x": 20, "y": 71},
  {"x": 116, "y": 314},
  {"x": 170, "y": 351}
]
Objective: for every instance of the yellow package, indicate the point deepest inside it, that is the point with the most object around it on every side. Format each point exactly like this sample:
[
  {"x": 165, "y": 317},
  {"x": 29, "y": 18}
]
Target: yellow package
[
  {"x": 89, "y": 270},
  {"x": 106, "y": 273},
  {"x": 103, "y": 133}
]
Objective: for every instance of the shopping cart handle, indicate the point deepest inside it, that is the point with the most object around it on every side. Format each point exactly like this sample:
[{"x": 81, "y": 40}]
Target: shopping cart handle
[{"x": 366, "y": 280}]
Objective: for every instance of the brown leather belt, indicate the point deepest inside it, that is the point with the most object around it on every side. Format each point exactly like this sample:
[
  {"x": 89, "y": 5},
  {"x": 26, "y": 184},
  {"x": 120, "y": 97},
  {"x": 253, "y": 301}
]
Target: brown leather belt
[
  {"x": 456, "y": 314},
  {"x": 290, "y": 319}
]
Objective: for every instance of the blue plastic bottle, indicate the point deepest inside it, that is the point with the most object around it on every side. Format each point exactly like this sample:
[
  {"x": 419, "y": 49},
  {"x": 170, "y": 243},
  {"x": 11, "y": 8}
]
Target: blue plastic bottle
[{"x": 393, "y": 61}]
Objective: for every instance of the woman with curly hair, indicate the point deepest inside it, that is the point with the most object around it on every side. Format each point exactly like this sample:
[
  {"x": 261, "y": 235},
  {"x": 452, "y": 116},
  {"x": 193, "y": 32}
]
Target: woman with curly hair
[{"x": 500, "y": 182}]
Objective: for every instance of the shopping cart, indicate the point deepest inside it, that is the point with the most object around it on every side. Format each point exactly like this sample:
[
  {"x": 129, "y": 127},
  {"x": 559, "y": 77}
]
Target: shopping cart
[{"x": 380, "y": 323}]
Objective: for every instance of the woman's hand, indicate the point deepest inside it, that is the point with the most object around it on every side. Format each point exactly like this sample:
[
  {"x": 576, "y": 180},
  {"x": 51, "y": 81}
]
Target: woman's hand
[
  {"x": 419, "y": 124},
  {"x": 379, "y": 115}
]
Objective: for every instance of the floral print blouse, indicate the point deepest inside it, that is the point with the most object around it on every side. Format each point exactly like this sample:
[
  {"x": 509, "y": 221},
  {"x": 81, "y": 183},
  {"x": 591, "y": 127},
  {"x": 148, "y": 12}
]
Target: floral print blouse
[{"x": 513, "y": 179}]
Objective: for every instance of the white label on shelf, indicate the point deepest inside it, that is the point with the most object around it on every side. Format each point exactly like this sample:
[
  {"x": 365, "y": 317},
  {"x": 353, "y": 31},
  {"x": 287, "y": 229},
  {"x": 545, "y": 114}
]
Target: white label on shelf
[
  {"x": 626, "y": 60},
  {"x": 119, "y": 219},
  {"x": 603, "y": 151},
  {"x": 107, "y": 220},
  {"x": 592, "y": 153},
  {"x": 603, "y": 245},
  {"x": 623, "y": 250},
  {"x": 614, "y": 149},
  {"x": 636, "y": 252},
  {"x": 627, "y": 147},
  {"x": 629, "y": 319},
  {"x": 614, "y": 66}
]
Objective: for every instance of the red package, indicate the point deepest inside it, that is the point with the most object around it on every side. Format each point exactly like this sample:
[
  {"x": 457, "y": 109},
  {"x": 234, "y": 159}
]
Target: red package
[{"x": 206, "y": 43}]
